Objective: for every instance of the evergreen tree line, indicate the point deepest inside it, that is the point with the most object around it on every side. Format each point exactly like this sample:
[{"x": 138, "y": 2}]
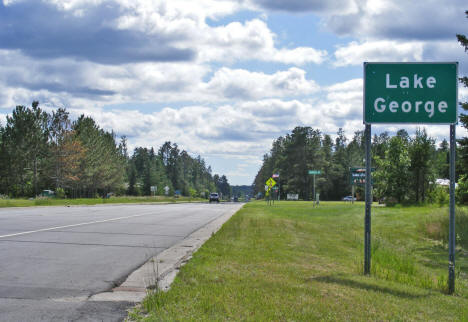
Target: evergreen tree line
[
  {"x": 406, "y": 167},
  {"x": 76, "y": 158}
]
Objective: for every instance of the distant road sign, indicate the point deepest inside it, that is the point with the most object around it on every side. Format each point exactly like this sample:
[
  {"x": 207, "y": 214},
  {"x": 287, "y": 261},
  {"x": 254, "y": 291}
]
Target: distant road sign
[
  {"x": 357, "y": 176},
  {"x": 270, "y": 182},
  {"x": 410, "y": 93},
  {"x": 314, "y": 172}
]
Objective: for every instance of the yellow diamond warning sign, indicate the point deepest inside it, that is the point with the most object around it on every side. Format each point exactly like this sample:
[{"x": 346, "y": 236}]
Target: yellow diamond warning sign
[{"x": 270, "y": 183}]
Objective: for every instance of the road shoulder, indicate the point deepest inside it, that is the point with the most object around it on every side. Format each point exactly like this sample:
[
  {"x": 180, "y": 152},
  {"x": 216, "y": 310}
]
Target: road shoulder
[{"x": 163, "y": 268}]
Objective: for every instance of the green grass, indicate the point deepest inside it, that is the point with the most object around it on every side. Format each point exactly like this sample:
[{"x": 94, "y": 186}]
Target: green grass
[
  {"x": 293, "y": 262},
  {"x": 436, "y": 226},
  {"x": 90, "y": 201}
]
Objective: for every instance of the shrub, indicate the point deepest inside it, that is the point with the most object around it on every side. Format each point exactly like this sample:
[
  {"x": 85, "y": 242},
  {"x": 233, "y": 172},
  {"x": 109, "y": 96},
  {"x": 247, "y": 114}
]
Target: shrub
[
  {"x": 437, "y": 227},
  {"x": 439, "y": 195},
  {"x": 60, "y": 193},
  {"x": 193, "y": 193},
  {"x": 461, "y": 193}
]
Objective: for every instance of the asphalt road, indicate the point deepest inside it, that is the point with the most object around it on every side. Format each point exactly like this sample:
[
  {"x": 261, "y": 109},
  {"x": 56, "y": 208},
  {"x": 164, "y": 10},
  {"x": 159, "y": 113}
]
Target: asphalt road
[{"x": 52, "y": 259}]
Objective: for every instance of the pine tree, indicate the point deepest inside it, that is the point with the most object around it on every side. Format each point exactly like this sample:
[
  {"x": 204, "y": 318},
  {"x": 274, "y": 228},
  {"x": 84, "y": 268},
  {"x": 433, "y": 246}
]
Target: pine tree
[
  {"x": 25, "y": 145},
  {"x": 396, "y": 169},
  {"x": 422, "y": 168}
]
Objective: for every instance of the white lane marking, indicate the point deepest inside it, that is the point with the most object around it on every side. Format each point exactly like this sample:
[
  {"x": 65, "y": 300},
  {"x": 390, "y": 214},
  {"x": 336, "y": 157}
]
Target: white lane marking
[{"x": 68, "y": 226}]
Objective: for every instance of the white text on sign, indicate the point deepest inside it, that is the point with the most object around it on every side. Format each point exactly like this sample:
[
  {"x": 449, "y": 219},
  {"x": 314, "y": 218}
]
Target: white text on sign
[{"x": 430, "y": 107}]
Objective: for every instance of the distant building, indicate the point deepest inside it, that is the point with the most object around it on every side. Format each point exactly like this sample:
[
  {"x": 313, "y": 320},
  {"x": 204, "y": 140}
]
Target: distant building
[{"x": 444, "y": 182}]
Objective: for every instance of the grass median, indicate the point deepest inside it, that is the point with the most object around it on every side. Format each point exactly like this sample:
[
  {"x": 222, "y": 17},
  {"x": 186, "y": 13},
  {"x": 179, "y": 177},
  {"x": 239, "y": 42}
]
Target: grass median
[
  {"x": 291, "y": 261},
  {"x": 91, "y": 201}
]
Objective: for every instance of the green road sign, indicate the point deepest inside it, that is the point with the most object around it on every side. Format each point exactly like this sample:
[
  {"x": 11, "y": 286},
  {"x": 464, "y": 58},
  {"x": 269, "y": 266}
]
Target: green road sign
[
  {"x": 314, "y": 171},
  {"x": 410, "y": 93},
  {"x": 357, "y": 176}
]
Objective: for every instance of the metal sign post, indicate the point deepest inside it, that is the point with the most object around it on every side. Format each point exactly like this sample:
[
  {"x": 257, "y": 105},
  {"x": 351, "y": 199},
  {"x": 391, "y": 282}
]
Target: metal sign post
[
  {"x": 423, "y": 93},
  {"x": 313, "y": 191},
  {"x": 277, "y": 176},
  {"x": 367, "y": 217},
  {"x": 451, "y": 281},
  {"x": 279, "y": 189},
  {"x": 314, "y": 172}
]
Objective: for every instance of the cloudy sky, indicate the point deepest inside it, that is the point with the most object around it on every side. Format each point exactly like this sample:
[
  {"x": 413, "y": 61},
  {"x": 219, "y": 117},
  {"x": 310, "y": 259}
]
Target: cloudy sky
[{"x": 221, "y": 78}]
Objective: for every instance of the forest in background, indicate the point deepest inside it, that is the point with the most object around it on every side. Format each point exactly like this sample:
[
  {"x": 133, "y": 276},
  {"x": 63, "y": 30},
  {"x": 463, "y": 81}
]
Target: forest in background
[
  {"x": 76, "y": 158},
  {"x": 406, "y": 167}
]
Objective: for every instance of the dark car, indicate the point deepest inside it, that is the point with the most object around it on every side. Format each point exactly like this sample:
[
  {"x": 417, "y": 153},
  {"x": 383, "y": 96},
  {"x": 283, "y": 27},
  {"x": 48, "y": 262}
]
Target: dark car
[{"x": 214, "y": 197}]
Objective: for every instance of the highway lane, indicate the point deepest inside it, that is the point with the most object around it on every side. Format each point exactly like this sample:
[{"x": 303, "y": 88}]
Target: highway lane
[{"x": 53, "y": 258}]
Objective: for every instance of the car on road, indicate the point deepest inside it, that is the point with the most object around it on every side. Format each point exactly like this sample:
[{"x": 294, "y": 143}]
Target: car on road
[
  {"x": 214, "y": 196},
  {"x": 349, "y": 198}
]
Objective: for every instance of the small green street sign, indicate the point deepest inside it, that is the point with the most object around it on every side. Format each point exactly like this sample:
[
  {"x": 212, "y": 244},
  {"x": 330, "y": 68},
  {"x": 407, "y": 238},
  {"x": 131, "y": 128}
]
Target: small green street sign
[
  {"x": 410, "y": 93},
  {"x": 314, "y": 171}
]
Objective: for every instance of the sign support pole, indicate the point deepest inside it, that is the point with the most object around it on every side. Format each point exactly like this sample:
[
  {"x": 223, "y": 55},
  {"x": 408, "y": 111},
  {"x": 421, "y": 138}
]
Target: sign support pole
[
  {"x": 367, "y": 219},
  {"x": 451, "y": 279},
  {"x": 279, "y": 189},
  {"x": 314, "y": 192}
]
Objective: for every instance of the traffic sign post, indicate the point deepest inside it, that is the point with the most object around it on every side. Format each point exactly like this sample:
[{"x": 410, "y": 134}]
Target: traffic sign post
[
  {"x": 451, "y": 283},
  {"x": 277, "y": 176},
  {"x": 314, "y": 172},
  {"x": 269, "y": 184},
  {"x": 422, "y": 93},
  {"x": 367, "y": 217}
]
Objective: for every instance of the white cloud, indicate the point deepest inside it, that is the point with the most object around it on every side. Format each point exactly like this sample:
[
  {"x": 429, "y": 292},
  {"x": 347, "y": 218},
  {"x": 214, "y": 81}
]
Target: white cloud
[
  {"x": 355, "y": 53},
  {"x": 122, "y": 31},
  {"x": 353, "y": 85},
  {"x": 72, "y": 83},
  {"x": 400, "y": 20},
  {"x": 384, "y": 50},
  {"x": 317, "y": 6},
  {"x": 462, "y": 93},
  {"x": 240, "y": 129},
  {"x": 252, "y": 40},
  {"x": 386, "y": 30},
  {"x": 244, "y": 85}
]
